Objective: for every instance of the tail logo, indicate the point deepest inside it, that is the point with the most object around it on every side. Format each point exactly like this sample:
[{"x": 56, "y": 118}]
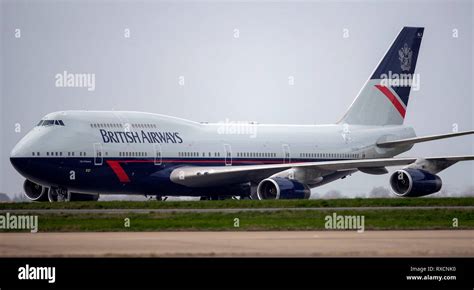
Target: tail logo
[{"x": 404, "y": 55}]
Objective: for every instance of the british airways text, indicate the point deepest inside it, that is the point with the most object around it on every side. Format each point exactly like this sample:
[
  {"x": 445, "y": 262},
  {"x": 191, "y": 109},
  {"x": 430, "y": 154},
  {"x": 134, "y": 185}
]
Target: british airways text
[{"x": 140, "y": 137}]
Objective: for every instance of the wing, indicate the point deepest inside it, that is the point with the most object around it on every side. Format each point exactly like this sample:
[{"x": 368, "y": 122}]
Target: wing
[
  {"x": 411, "y": 141},
  {"x": 204, "y": 176}
]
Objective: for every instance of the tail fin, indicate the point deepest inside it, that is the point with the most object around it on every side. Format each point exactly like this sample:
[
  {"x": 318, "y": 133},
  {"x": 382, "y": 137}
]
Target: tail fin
[{"x": 384, "y": 98}]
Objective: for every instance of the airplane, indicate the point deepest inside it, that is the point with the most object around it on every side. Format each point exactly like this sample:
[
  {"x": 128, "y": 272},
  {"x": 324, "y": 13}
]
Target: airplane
[{"x": 79, "y": 155}]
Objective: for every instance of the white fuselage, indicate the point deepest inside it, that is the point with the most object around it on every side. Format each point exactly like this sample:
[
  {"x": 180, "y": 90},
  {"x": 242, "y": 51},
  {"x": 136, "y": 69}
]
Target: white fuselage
[{"x": 97, "y": 139}]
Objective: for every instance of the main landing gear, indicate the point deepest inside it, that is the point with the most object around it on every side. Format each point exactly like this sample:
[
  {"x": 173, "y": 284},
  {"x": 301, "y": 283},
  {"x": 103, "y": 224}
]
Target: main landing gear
[
  {"x": 157, "y": 197},
  {"x": 221, "y": 197},
  {"x": 58, "y": 194},
  {"x": 61, "y": 194}
]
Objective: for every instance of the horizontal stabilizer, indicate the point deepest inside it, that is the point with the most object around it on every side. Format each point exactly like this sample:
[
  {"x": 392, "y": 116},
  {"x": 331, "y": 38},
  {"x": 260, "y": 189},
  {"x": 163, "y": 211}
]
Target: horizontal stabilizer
[{"x": 411, "y": 141}]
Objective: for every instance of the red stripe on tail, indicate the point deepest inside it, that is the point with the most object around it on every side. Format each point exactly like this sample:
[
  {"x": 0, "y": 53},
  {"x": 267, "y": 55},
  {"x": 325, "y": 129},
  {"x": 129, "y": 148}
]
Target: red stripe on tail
[{"x": 392, "y": 99}]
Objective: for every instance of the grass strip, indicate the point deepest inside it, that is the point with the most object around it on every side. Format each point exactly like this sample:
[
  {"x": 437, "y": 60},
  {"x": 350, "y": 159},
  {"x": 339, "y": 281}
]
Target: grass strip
[
  {"x": 353, "y": 202},
  {"x": 254, "y": 221}
]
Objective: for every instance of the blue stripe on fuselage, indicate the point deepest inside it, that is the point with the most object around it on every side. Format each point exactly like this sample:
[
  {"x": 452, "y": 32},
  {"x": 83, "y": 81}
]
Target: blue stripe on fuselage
[{"x": 146, "y": 177}]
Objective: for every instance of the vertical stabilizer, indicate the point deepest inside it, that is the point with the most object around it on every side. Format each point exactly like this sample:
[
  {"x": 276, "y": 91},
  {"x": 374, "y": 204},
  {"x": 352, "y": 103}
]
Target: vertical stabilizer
[{"x": 384, "y": 98}]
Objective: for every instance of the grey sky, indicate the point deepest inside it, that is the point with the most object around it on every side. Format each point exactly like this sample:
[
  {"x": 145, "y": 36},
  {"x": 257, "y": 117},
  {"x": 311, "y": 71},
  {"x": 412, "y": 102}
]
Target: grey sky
[{"x": 244, "y": 78}]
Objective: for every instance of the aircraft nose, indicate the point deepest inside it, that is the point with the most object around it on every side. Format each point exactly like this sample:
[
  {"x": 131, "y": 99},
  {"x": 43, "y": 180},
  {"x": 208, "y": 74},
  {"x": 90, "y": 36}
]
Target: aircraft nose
[
  {"x": 21, "y": 149},
  {"x": 20, "y": 164},
  {"x": 15, "y": 156},
  {"x": 20, "y": 155},
  {"x": 15, "y": 152}
]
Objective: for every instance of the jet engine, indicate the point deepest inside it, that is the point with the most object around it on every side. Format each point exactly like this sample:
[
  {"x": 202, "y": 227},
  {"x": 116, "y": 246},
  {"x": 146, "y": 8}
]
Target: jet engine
[
  {"x": 282, "y": 188},
  {"x": 411, "y": 182},
  {"x": 34, "y": 191}
]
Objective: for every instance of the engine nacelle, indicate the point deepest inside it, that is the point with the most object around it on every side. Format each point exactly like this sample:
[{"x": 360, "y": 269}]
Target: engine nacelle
[
  {"x": 282, "y": 188},
  {"x": 411, "y": 182},
  {"x": 34, "y": 191}
]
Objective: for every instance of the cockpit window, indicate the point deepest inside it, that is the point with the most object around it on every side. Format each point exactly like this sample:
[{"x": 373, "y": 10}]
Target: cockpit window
[{"x": 50, "y": 123}]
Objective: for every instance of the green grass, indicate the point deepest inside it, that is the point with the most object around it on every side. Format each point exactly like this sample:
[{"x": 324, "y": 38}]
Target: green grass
[
  {"x": 354, "y": 202},
  {"x": 253, "y": 221}
]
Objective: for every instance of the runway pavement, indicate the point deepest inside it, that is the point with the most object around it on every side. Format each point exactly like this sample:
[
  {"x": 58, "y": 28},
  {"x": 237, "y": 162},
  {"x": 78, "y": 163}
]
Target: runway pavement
[
  {"x": 225, "y": 210},
  {"x": 222, "y": 244}
]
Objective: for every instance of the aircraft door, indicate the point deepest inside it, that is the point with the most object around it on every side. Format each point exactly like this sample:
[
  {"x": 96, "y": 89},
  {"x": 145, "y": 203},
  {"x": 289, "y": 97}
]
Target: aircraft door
[
  {"x": 98, "y": 159},
  {"x": 228, "y": 154},
  {"x": 158, "y": 158},
  {"x": 286, "y": 153}
]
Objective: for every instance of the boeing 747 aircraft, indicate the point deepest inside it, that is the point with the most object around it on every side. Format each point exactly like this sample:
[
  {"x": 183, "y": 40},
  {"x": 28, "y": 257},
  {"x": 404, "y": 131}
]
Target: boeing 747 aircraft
[{"x": 77, "y": 155}]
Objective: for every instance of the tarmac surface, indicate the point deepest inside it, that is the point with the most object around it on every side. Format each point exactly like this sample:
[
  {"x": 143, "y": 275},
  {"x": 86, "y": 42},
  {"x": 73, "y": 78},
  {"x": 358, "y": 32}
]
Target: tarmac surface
[
  {"x": 226, "y": 210},
  {"x": 433, "y": 243}
]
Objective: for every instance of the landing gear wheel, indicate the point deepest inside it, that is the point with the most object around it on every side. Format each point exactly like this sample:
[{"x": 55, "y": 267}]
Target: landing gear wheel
[
  {"x": 254, "y": 196},
  {"x": 58, "y": 194},
  {"x": 52, "y": 195}
]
